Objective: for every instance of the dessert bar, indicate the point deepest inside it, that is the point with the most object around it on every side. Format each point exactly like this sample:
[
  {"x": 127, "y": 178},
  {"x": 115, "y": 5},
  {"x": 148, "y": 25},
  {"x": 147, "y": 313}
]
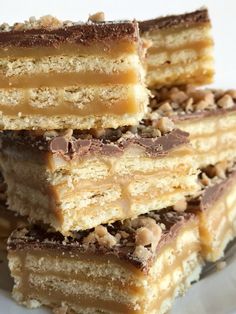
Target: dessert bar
[
  {"x": 181, "y": 49},
  {"x": 138, "y": 266},
  {"x": 77, "y": 180},
  {"x": 216, "y": 209},
  {"x": 56, "y": 75},
  {"x": 209, "y": 116}
]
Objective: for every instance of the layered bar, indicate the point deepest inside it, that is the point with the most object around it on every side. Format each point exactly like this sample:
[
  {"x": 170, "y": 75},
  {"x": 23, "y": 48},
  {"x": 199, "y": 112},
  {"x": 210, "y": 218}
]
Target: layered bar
[
  {"x": 181, "y": 50},
  {"x": 58, "y": 75},
  {"x": 216, "y": 209},
  {"x": 78, "y": 180},
  {"x": 209, "y": 116},
  {"x": 138, "y": 266}
]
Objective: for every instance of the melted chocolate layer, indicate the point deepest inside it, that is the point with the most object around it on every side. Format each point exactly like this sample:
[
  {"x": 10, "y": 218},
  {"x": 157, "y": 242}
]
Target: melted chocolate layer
[
  {"x": 83, "y": 144},
  {"x": 36, "y": 238},
  {"x": 174, "y": 21},
  {"x": 212, "y": 193},
  {"x": 82, "y": 34}
]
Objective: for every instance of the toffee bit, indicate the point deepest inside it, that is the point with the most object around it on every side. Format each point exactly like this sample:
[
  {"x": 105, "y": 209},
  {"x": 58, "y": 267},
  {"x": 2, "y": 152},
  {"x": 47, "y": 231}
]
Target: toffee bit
[
  {"x": 180, "y": 206},
  {"x": 97, "y": 17},
  {"x": 165, "y": 125},
  {"x": 226, "y": 102},
  {"x": 142, "y": 253}
]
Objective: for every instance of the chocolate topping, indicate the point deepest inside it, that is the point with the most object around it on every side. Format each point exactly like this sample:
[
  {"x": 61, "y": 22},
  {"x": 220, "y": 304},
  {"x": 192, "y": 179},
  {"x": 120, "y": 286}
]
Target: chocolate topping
[
  {"x": 187, "y": 102},
  {"x": 186, "y": 20},
  {"x": 213, "y": 192},
  {"x": 59, "y": 144},
  {"x": 121, "y": 237},
  {"x": 83, "y": 34},
  {"x": 111, "y": 143}
]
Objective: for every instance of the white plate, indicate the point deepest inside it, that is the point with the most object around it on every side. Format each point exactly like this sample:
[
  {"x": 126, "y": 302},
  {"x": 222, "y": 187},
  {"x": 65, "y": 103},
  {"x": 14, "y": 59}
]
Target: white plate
[{"x": 215, "y": 294}]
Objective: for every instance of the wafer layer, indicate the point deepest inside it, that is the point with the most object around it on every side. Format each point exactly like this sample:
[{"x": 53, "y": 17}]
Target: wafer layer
[
  {"x": 138, "y": 266},
  {"x": 80, "y": 180},
  {"x": 70, "y": 75},
  {"x": 216, "y": 209},
  {"x": 207, "y": 115},
  {"x": 181, "y": 50}
]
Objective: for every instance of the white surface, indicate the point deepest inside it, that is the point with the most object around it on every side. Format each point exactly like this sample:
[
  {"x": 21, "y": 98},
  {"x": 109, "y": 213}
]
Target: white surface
[
  {"x": 222, "y": 13},
  {"x": 217, "y": 293}
]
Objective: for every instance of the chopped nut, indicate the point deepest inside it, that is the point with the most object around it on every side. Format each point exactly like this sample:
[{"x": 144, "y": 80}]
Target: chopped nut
[
  {"x": 201, "y": 105},
  {"x": 178, "y": 96},
  {"x": 101, "y": 231},
  {"x": 107, "y": 240},
  {"x": 5, "y": 27},
  {"x": 209, "y": 98},
  {"x": 18, "y": 26},
  {"x": 156, "y": 133},
  {"x": 97, "y": 17},
  {"x": 49, "y": 134},
  {"x": 98, "y": 133},
  {"x": 68, "y": 133},
  {"x": 180, "y": 206},
  {"x": 165, "y": 125},
  {"x": 150, "y": 232},
  {"x": 165, "y": 107},
  {"x": 143, "y": 236},
  {"x": 118, "y": 237},
  {"x": 142, "y": 253},
  {"x": 205, "y": 180},
  {"x": 225, "y": 102},
  {"x": 189, "y": 105},
  {"x": 163, "y": 227},
  {"x": 50, "y": 22},
  {"x": 124, "y": 234},
  {"x": 232, "y": 93}
]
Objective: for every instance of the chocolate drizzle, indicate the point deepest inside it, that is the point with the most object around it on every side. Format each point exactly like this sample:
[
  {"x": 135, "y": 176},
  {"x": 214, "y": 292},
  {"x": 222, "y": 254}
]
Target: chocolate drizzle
[
  {"x": 37, "y": 238},
  {"x": 174, "y": 21},
  {"x": 81, "y": 144}
]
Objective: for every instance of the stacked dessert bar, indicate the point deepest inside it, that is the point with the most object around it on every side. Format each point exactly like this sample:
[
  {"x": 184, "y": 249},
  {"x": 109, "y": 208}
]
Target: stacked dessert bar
[{"x": 125, "y": 190}]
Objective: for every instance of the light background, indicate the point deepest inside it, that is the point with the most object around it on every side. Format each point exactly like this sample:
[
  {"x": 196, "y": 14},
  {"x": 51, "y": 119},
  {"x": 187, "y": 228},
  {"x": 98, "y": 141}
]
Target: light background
[{"x": 222, "y": 13}]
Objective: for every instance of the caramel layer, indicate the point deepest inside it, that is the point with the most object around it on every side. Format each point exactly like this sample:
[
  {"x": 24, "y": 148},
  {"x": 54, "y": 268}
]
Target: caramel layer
[
  {"x": 97, "y": 106},
  {"x": 79, "y": 300},
  {"x": 108, "y": 182},
  {"x": 170, "y": 293},
  {"x": 101, "y": 281},
  {"x": 212, "y": 237},
  {"x": 109, "y": 49},
  {"x": 37, "y": 292},
  {"x": 197, "y": 46},
  {"x": 68, "y": 79},
  {"x": 152, "y": 67}
]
